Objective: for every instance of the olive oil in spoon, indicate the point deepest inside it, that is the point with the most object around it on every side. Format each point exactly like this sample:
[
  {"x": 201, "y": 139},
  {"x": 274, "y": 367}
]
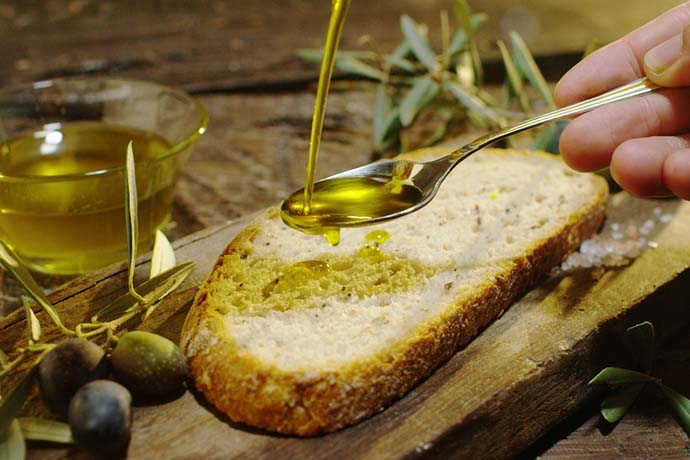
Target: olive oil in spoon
[{"x": 341, "y": 202}]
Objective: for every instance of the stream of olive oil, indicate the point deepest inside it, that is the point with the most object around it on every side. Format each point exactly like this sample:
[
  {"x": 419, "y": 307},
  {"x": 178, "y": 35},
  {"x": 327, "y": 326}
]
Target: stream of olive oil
[
  {"x": 323, "y": 208},
  {"x": 65, "y": 225},
  {"x": 335, "y": 27}
]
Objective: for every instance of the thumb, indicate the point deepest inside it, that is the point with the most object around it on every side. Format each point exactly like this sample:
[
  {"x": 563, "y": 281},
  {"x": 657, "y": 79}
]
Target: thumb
[{"x": 668, "y": 64}]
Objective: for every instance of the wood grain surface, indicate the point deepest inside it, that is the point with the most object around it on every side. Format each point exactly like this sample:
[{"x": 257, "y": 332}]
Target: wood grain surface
[
  {"x": 522, "y": 376},
  {"x": 238, "y": 58}
]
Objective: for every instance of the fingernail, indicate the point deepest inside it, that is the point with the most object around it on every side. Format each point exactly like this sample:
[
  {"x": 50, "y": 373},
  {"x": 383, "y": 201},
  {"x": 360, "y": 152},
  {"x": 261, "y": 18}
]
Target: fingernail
[{"x": 663, "y": 56}]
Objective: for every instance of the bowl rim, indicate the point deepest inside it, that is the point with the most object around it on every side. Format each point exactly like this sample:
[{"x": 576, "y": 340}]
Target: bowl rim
[{"x": 200, "y": 129}]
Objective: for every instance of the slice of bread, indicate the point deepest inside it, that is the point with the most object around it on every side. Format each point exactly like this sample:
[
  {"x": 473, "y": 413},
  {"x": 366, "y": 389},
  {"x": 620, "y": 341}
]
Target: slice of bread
[{"x": 293, "y": 336}]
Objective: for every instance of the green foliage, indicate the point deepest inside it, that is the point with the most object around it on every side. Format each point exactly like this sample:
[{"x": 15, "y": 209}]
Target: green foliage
[
  {"x": 627, "y": 384},
  {"x": 415, "y": 79}
]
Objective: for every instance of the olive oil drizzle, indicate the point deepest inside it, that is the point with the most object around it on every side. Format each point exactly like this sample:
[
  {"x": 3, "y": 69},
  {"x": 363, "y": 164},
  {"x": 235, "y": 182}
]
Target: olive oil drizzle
[
  {"x": 335, "y": 27},
  {"x": 323, "y": 208}
]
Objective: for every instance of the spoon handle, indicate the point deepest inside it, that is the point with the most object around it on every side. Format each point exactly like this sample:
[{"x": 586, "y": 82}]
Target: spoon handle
[{"x": 632, "y": 89}]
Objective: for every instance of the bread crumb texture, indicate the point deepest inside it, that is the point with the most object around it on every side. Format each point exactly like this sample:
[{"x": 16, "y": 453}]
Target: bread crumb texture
[{"x": 292, "y": 335}]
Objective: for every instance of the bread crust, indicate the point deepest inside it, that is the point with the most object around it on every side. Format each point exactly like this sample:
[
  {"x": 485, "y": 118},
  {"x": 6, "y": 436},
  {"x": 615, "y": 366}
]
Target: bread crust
[{"x": 259, "y": 394}]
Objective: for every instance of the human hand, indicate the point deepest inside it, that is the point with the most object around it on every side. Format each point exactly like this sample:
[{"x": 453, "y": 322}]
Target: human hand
[{"x": 645, "y": 140}]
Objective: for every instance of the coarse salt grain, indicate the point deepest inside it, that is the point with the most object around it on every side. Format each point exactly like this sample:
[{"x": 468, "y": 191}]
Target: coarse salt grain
[{"x": 610, "y": 248}]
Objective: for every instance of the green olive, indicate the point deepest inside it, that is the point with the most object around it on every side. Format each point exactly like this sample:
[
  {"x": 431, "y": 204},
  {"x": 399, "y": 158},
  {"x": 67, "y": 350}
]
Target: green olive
[{"x": 150, "y": 366}]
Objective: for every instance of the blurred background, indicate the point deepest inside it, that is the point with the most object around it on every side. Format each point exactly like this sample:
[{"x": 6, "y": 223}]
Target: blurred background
[{"x": 250, "y": 43}]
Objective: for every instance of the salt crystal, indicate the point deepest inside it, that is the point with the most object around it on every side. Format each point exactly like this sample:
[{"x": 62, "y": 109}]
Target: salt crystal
[
  {"x": 657, "y": 211},
  {"x": 615, "y": 227},
  {"x": 617, "y": 236},
  {"x": 653, "y": 244},
  {"x": 423, "y": 446},
  {"x": 666, "y": 218}
]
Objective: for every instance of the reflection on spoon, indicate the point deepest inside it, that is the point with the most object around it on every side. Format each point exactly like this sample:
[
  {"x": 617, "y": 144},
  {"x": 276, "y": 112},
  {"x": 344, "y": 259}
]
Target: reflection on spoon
[{"x": 348, "y": 201}]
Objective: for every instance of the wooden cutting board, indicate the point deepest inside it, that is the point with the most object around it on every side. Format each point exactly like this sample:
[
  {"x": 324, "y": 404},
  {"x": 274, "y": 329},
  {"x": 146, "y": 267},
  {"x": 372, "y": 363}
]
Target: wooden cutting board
[{"x": 520, "y": 377}]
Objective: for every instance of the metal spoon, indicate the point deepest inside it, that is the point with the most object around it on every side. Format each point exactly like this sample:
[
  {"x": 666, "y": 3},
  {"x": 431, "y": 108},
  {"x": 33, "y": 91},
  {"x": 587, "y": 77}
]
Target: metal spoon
[{"x": 428, "y": 177}]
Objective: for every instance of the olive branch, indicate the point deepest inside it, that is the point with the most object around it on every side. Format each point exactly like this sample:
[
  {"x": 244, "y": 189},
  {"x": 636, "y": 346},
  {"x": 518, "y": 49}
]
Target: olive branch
[
  {"x": 627, "y": 384},
  {"x": 415, "y": 79},
  {"x": 131, "y": 308}
]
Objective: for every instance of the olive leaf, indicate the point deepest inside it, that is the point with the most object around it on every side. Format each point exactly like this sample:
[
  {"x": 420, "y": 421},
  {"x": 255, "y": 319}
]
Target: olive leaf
[
  {"x": 317, "y": 55},
  {"x": 163, "y": 255},
  {"x": 12, "y": 444},
  {"x": 525, "y": 62},
  {"x": 390, "y": 130},
  {"x": 459, "y": 41},
  {"x": 153, "y": 290},
  {"x": 418, "y": 43},
  {"x": 32, "y": 325},
  {"x": 464, "y": 15},
  {"x": 357, "y": 67},
  {"x": 39, "y": 429},
  {"x": 12, "y": 264},
  {"x": 11, "y": 404},
  {"x": 4, "y": 359},
  {"x": 398, "y": 58},
  {"x": 402, "y": 64},
  {"x": 547, "y": 139},
  {"x": 680, "y": 405},
  {"x": 348, "y": 61},
  {"x": 514, "y": 79},
  {"x": 473, "y": 103},
  {"x": 445, "y": 39},
  {"x": 614, "y": 406},
  {"x": 440, "y": 132},
  {"x": 417, "y": 99},
  {"x": 640, "y": 340},
  {"x": 382, "y": 107},
  {"x": 131, "y": 219},
  {"x": 616, "y": 376}
]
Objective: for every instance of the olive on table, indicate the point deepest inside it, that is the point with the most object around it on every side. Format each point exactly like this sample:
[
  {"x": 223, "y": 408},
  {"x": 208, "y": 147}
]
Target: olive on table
[
  {"x": 66, "y": 368},
  {"x": 100, "y": 416},
  {"x": 152, "y": 367}
]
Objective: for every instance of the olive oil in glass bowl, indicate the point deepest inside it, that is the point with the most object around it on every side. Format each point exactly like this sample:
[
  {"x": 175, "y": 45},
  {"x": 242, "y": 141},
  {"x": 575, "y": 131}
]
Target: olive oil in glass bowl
[{"x": 62, "y": 153}]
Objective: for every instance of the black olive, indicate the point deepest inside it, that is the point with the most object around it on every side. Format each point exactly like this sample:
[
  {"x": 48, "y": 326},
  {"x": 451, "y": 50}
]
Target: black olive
[
  {"x": 68, "y": 367},
  {"x": 100, "y": 416}
]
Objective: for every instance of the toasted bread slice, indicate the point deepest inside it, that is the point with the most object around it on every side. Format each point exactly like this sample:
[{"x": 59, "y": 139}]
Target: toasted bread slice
[{"x": 294, "y": 336}]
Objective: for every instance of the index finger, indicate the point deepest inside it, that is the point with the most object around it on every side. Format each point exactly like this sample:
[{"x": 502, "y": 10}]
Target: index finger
[{"x": 621, "y": 61}]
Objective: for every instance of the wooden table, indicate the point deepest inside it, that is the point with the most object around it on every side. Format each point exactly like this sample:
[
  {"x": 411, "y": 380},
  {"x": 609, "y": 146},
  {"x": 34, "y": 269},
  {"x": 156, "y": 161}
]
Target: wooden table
[{"x": 238, "y": 58}]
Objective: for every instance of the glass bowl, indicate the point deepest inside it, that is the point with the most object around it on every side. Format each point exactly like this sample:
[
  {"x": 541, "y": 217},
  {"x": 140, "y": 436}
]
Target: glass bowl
[{"x": 62, "y": 152}]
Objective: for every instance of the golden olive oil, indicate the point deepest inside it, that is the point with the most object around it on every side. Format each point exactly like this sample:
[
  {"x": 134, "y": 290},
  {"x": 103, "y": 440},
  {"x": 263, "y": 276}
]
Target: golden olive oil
[
  {"x": 373, "y": 241},
  {"x": 335, "y": 27},
  {"x": 342, "y": 202},
  {"x": 325, "y": 207},
  {"x": 59, "y": 213}
]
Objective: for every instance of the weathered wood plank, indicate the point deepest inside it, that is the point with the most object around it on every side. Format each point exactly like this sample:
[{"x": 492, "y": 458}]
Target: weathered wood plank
[
  {"x": 239, "y": 45},
  {"x": 520, "y": 377}
]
